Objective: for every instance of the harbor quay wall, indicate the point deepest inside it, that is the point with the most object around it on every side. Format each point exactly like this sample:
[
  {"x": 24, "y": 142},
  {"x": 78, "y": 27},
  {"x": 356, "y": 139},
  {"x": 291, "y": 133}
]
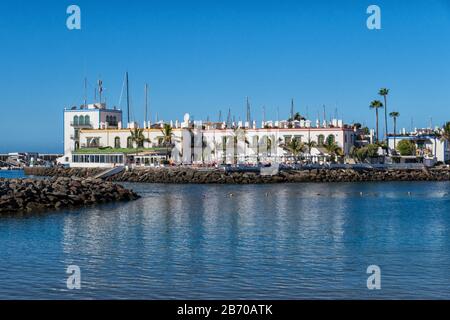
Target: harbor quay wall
[{"x": 184, "y": 175}]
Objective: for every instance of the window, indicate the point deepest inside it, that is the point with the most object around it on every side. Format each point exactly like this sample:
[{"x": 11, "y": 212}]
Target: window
[
  {"x": 224, "y": 144},
  {"x": 87, "y": 120},
  {"x": 75, "y": 120},
  {"x": 93, "y": 142},
  {"x": 320, "y": 139},
  {"x": 81, "y": 121},
  {"x": 117, "y": 142},
  {"x": 298, "y": 138},
  {"x": 255, "y": 141},
  {"x": 111, "y": 120},
  {"x": 268, "y": 145},
  {"x": 331, "y": 139},
  {"x": 129, "y": 143}
]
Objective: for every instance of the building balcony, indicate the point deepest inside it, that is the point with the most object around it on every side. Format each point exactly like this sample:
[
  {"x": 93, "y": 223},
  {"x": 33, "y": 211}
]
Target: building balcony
[{"x": 81, "y": 125}]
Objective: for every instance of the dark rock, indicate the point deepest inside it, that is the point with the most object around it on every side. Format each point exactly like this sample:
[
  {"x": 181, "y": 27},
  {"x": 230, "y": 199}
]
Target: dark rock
[{"x": 29, "y": 195}]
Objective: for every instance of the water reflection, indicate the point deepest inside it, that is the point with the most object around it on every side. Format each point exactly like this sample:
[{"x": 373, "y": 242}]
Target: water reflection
[{"x": 265, "y": 241}]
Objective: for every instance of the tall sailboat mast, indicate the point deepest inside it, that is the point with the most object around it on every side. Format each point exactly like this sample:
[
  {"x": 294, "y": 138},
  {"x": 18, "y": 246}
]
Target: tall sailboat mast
[
  {"x": 264, "y": 113},
  {"x": 248, "y": 112},
  {"x": 85, "y": 92},
  {"x": 292, "y": 109},
  {"x": 146, "y": 106},
  {"x": 128, "y": 100}
]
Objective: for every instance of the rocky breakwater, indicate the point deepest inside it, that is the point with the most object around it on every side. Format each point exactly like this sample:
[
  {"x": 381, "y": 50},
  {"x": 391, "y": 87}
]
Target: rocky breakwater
[
  {"x": 29, "y": 195},
  {"x": 217, "y": 176},
  {"x": 62, "y": 172},
  {"x": 191, "y": 175}
]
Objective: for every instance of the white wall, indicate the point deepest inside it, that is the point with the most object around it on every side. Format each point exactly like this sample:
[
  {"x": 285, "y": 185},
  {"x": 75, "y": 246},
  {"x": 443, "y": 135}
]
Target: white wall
[
  {"x": 213, "y": 151},
  {"x": 69, "y": 129}
]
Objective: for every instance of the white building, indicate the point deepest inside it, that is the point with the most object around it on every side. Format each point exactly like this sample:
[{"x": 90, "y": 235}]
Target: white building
[
  {"x": 428, "y": 144},
  {"x": 94, "y": 137},
  {"x": 91, "y": 117}
]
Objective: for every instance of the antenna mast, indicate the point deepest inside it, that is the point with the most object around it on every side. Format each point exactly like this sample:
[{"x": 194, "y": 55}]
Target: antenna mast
[{"x": 100, "y": 89}]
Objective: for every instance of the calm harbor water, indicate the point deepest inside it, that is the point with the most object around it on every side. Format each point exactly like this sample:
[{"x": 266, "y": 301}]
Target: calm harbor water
[{"x": 284, "y": 241}]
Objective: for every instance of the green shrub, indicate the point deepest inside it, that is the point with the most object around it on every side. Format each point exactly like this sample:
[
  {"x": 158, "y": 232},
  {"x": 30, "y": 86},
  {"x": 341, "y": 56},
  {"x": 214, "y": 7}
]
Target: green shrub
[
  {"x": 372, "y": 150},
  {"x": 361, "y": 154},
  {"x": 406, "y": 148}
]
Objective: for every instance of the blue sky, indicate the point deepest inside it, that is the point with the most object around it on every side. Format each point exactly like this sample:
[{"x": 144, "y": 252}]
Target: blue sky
[{"x": 206, "y": 56}]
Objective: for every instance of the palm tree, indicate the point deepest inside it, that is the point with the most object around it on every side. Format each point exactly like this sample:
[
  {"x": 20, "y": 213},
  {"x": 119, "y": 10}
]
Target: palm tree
[
  {"x": 297, "y": 117},
  {"x": 394, "y": 115},
  {"x": 138, "y": 137},
  {"x": 384, "y": 92},
  {"x": 376, "y": 104},
  {"x": 332, "y": 148},
  {"x": 239, "y": 134},
  {"x": 295, "y": 147},
  {"x": 445, "y": 133},
  {"x": 268, "y": 142},
  {"x": 310, "y": 144},
  {"x": 167, "y": 138}
]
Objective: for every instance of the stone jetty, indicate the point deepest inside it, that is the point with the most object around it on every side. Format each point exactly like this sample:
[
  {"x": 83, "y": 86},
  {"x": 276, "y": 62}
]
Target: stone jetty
[
  {"x": 34, "y": 195},
  {"x": 183, "y": 175}
]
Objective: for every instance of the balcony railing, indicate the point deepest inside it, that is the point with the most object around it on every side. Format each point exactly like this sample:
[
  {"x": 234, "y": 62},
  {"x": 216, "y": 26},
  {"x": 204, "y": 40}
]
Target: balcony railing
[{"x": 81, "y": 125}]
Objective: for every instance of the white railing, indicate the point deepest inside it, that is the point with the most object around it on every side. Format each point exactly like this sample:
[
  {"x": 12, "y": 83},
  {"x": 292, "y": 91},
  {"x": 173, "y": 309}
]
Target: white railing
[{"x": 361, "y": 166}]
